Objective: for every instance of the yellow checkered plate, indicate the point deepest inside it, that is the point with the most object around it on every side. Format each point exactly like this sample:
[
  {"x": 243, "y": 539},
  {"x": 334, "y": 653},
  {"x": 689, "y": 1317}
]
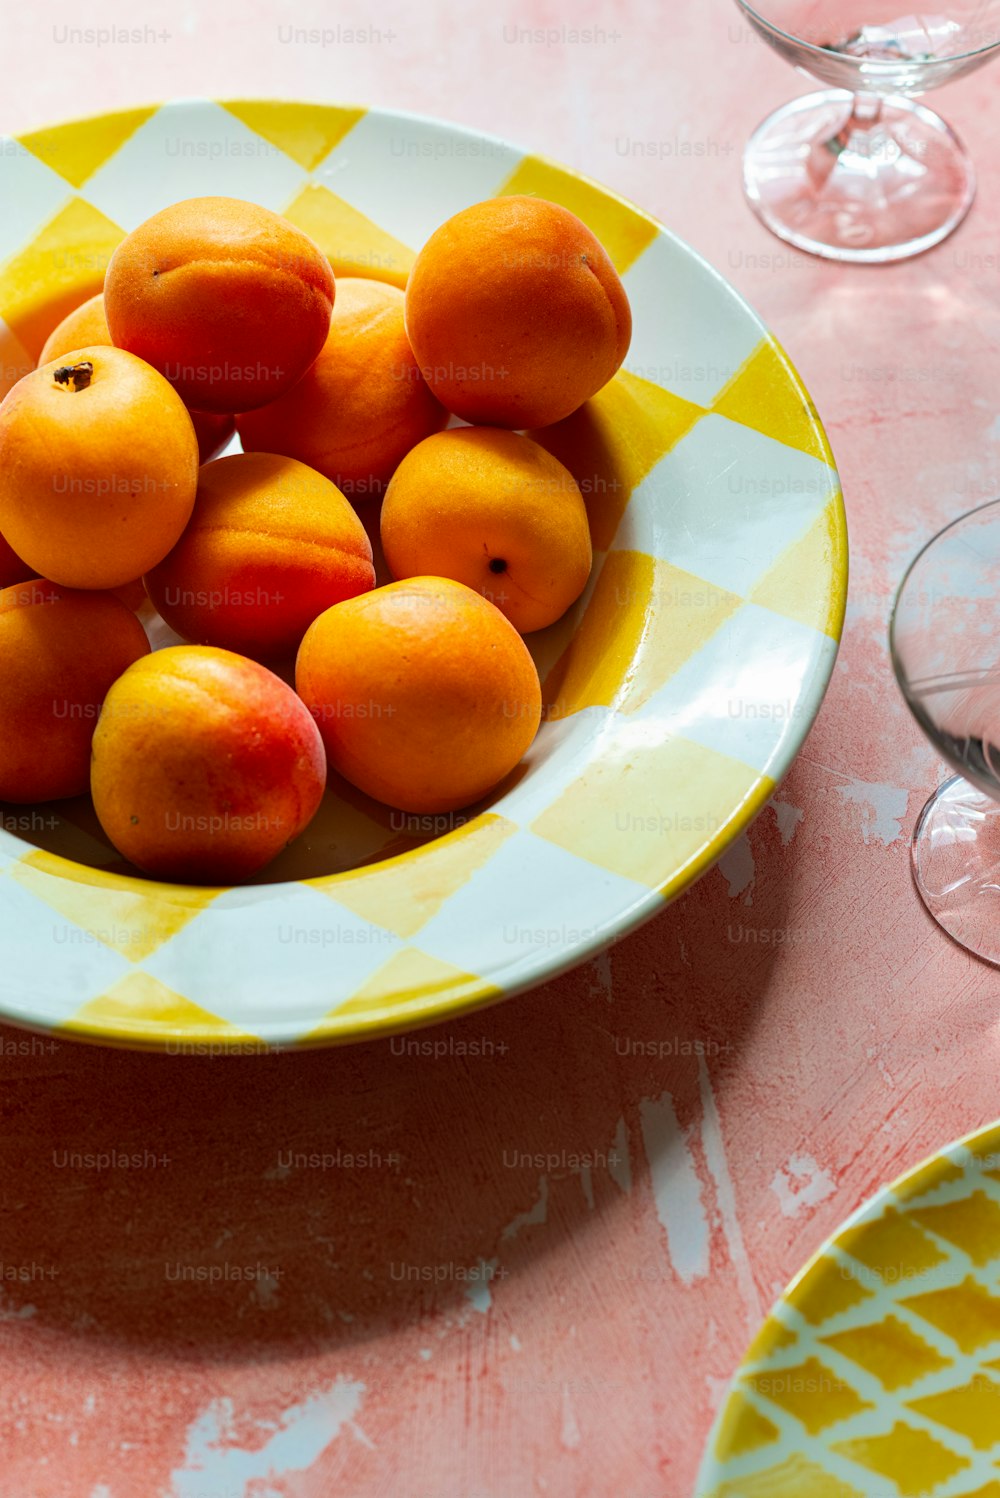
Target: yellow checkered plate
[
  {"x": 678, "y": 690},
  {"x": 877, "y": 1375}
]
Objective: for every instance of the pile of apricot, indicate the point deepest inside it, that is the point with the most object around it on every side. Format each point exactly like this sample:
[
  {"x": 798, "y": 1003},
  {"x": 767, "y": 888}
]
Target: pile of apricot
[{"x": 357, "y": 406}]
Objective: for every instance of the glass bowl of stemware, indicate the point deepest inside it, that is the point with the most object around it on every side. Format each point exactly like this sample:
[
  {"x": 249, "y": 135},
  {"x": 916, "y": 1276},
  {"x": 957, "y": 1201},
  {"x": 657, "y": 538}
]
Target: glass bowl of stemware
[
  {"x": 860, "y": 171},
  {"x": 945, "y": 644}
]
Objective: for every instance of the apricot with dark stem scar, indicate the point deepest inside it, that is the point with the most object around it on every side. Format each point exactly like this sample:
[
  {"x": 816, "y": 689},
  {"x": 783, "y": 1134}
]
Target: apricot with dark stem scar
[
  {"x": 87, "y": 327},
  {"x": 74, "y": 376},
  {"x": 478, "y": 504},
  {"x": 94, "y": 493}
]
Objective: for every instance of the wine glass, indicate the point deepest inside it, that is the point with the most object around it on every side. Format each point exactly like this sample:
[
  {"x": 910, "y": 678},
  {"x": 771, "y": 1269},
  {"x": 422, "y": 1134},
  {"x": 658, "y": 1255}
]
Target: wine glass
[
  {"x": 945, "y": 643},
  {"x": 859, "y": 171}
]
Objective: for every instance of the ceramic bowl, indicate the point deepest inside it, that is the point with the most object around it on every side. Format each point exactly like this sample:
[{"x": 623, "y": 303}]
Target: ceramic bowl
[{"x": 677, "y": 691}]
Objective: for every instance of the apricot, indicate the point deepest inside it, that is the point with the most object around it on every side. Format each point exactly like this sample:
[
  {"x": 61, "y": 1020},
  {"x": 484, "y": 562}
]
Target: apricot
[
  {"x": 426, "y": 696},
  {"x": 516, "y": 313},
  {"x": 133, "y": 595},
  {"x": 270, "y": 545},
  {"x": 98, "y": 468},
  {"x": 86, "y": 326},
  {"x": 60, "y": 652},
  {"x": 362, "y": 405},
  {"x": 495, "y": 511},
  {"x": 229, "y": 301},
  {"x": 205, "y": 765},
  {"x": 12, "y": 569}
]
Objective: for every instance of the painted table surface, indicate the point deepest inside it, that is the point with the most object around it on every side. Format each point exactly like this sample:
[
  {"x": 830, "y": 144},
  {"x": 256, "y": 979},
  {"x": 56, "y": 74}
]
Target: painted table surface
[{"x": 524, "y": 1254}]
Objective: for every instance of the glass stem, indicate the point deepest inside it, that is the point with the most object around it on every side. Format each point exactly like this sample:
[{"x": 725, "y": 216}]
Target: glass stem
[
  {"x": 858, "y": 133},
  {"x": 867, "y": 111}
]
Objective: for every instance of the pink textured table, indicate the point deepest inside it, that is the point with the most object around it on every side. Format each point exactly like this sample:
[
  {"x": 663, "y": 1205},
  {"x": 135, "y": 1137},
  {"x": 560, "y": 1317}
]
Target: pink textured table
[{"x": 563, "y": 1231}]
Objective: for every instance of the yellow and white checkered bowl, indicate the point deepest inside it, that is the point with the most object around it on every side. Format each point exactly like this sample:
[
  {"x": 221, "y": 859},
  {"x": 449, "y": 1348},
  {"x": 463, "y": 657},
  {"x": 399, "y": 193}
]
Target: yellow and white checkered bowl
[
  {"x": 679, "y": 688},
  {"x": 877, "y": 1375}
]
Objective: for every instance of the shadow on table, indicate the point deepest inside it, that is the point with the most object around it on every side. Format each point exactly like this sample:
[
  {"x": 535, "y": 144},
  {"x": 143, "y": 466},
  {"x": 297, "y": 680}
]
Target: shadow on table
[{"x": 240, "y": 1224}]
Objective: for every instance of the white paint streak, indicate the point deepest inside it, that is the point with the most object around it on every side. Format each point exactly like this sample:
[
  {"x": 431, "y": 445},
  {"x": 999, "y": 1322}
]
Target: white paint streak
[
  {"x": 717, "y": 1388},
  {"x": 738, "y": 867},
  {"x": 515, "y": 1342},
  {"x": 602, "y": 971},
  {"x": 725, "y": 1196},
  {"x": 788, "y": 818},
  {"x": 10, "y": 1312},
  {"x": 534, "y": 1216},
  {"x": 214, "y": 1463},
  {"x": 570, "y": 1430},
  {"x": 676, "y": 1188},
  {"x": 477, "y": 1289},
  {"x": 619, "y": 1167},
  {"x": 426, "y": 1354},
  {"x": 800, "y": 1184},
  {"x": 883, "y": 809},
  {"x": 874, "y": 1053},
  {"x": 265, "y": 1291}
]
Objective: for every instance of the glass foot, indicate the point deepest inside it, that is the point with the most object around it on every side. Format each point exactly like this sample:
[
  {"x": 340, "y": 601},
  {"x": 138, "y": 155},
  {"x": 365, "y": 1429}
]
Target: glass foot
[
  {"x": 836, "y": 181},
  {"x": 955, "y": 855}
]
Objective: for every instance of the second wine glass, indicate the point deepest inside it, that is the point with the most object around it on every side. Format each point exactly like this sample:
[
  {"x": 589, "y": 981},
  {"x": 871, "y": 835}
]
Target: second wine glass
[{"x": 945, "y": 642}]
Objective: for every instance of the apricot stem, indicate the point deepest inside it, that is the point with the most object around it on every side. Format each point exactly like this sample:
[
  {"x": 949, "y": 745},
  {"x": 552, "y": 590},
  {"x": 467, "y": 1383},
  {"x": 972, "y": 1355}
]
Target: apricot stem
[{"x": 74, "y": 376}]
